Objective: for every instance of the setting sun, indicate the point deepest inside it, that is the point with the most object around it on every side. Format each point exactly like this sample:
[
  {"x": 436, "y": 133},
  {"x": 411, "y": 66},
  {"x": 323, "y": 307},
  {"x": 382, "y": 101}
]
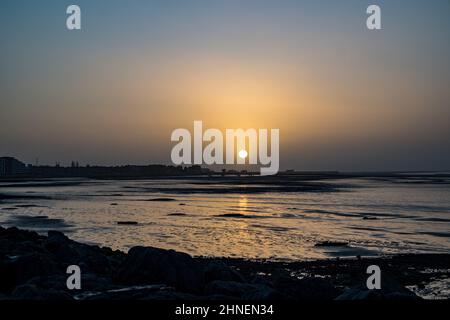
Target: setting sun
[{"x": 243, "y": 154}]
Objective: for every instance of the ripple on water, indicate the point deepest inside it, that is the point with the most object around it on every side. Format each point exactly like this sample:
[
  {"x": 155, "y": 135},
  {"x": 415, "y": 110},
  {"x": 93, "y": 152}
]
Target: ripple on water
[{"x": 240, "y": 216}]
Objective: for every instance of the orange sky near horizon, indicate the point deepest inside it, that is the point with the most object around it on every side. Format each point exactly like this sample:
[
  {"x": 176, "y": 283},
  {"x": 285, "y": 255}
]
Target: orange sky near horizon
[{"x": 343, "y": 98}]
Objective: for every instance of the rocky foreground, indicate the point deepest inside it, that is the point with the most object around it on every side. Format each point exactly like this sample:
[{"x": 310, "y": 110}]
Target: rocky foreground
[{"x": 33, "y": 266}]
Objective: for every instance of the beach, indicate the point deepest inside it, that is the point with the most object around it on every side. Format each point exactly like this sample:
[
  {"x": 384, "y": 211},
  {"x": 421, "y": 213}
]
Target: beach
[
  {"x": 309, "y": 236},
  {"x": 277, "y": 218}
]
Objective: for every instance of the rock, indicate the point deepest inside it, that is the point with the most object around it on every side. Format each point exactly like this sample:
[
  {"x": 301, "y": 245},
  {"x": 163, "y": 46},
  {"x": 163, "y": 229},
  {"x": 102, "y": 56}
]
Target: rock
[
  {"x": 310, "y": 288},
  {"x": 128, "y": 223},
  {"x": 150, "y": 292},
  {"x": 306, "y": 288},
  {"x": 15, "y": 242},
  {"x": 89, "y": 282},
  {"x": 31, "y": 292},
  {"x": 6, "y": 247},
  {"x": 147, "y": 265},
  {"x": 16, "y": 235},
  {"x": 217, "y": 270},
  {"x": 244, "y": 291},
  {"x": 390, "y": 290},
  {"x": 162, "y": 199},
  {"x": 68, "y": 252},
  {"x": 19, "y": 270},
  {"x": 34, "y": 267},
  {"x": 331, "y": 244}
]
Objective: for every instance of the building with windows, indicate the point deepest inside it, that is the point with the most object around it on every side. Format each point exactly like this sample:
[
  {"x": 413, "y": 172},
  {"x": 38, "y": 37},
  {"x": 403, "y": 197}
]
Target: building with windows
[{"x": 10, "y": 166}]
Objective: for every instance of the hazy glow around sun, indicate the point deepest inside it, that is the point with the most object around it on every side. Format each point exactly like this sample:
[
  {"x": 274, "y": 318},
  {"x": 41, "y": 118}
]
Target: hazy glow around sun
[{"x": 243, "y": 154}]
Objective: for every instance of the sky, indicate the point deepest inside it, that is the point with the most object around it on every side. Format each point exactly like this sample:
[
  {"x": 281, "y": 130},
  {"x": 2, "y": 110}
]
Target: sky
[{"x": 344, "y": 97}]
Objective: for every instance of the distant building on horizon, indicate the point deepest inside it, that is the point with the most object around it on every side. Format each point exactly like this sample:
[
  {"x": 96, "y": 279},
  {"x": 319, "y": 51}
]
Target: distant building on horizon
[{"x": 10, "y": 166}]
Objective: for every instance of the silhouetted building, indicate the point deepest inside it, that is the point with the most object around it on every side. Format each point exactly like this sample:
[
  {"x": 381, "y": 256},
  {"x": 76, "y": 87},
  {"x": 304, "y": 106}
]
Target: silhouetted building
[{"x": 10, "y": 166}]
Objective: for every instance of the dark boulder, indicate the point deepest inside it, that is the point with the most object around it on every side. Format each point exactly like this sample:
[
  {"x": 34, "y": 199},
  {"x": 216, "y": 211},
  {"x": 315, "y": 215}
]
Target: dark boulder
[
  {"x": 217, "y": 270},
  {"x": 147, "y": 265},
  {"x": 17, "y": 235},
  {"x": 149, "y": 292},
  {"x": 31, "y": 292},
  {"x": 69, "y": 252},
  {"x": 245, "y": 291},
  {"x": 390, "y": 290},
  {"x": 307, "y": 288},
  {"x": 310, "y": 288},
  {"x": 127, "y": 223},
  {"x": 89, "y": 282},
  {"x": 18, "y": 270},
  {"x": 331, "y": 244}
]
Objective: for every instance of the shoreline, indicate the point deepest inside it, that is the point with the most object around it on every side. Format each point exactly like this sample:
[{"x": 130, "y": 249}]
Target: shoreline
[{"x": 33, "y": 267}]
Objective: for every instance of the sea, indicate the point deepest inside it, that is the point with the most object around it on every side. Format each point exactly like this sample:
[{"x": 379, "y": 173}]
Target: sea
[{"x": 293, "y": 219}]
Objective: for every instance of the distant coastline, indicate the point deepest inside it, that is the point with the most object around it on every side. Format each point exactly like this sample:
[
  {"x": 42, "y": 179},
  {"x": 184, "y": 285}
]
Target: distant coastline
[{"x": 12, "y": 169}]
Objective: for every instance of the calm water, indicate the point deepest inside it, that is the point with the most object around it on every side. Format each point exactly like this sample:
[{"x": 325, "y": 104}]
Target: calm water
[{"x": 375, "y": 217}]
